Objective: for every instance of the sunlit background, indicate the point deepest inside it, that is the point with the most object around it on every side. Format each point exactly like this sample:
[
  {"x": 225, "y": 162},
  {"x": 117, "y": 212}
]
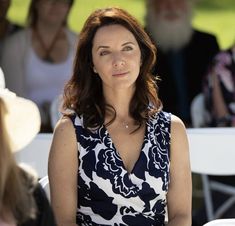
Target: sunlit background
[{"x": 215, "y": 16}]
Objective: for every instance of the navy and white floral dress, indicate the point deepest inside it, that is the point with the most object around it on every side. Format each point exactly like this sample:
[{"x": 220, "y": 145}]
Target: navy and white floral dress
[{"x": 107, "y": 193}]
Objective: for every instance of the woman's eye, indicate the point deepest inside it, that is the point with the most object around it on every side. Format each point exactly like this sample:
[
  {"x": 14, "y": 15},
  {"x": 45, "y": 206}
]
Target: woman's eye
[
  {"x": 127, "y": 48},
  {"x": 103, "y": 53}
]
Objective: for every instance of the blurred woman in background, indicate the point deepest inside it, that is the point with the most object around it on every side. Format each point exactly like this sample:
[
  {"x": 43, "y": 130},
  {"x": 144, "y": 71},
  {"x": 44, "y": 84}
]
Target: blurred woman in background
[
  {"x": 38, "y": 60},
  {"x": 220, "y": 89}
]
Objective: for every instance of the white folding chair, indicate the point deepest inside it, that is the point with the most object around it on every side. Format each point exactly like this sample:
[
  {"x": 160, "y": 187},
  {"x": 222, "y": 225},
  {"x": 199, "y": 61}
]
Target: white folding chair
[
  {"x": 36, "y": 153},
  {"x": 212, "y": 152},
  {"x": 221, "y": 222},
  {"x": 45, "y": 184},
  {"x": 200, "y": 116}
]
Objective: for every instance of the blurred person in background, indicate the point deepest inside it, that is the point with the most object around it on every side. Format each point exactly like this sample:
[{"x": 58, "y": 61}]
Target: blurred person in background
[
  {"x": 219, "y": 94},
  {"x": 219, "y": 89},
  {"x": 23, "y": 201},
  {"x": 37, "y": 61},
  {"x": 6, "y": 27},
  {"x": 183, "y": 53}
]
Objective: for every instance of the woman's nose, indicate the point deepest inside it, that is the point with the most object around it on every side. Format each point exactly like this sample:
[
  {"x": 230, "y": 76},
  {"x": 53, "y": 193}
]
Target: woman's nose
[{"x": 118, "y": 62}]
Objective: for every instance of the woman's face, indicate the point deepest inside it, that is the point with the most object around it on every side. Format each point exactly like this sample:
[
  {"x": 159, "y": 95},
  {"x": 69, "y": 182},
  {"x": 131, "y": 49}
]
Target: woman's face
[
  {"x": 116, "y": 57},
  {"x": 53, "y": 12}
]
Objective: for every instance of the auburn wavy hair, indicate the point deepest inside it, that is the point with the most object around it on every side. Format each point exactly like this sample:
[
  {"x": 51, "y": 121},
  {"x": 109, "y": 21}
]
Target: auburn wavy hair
[{"x": 83, "y": 93}]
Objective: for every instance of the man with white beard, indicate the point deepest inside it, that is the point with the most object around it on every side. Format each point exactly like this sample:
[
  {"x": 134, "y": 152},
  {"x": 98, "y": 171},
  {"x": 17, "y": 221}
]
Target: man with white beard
[{"x": 183, "y": 53}]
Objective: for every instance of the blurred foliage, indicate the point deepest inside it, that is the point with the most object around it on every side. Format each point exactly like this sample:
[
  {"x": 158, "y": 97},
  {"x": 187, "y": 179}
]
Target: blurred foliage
[
  {"x": 211, "y": 5},
  {"x": 83, "y": 8},
  {"x": 80, "y": 11},
  {"x": 215, "y": 16}
]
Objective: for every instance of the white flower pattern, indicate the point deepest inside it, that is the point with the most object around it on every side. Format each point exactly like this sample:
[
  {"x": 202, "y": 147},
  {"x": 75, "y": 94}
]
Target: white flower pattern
[{"x": 107, "y": 193}]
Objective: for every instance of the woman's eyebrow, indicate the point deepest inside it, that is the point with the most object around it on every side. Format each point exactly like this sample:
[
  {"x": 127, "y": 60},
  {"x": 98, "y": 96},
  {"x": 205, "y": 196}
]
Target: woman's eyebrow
[
  {"x": 126, "y": 43},
  {"x": 106, "y": 47},
  {"x": 102, "y": 47}
]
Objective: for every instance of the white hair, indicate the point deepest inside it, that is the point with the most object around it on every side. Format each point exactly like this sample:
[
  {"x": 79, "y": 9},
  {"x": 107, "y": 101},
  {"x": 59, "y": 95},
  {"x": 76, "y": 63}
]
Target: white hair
[{"x": 170, "y": 35}]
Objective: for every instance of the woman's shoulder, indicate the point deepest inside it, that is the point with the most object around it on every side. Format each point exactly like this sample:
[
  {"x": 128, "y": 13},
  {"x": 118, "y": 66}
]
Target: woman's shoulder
[
  {"x": 176, "y": 121},
  {"x": 16, "y": 43},
  {"x": 65, "y": 124},
  {"x": 177, "y": 126},
  {"x": 18, "y": 36},
  {"x": 65, "y": 131}
]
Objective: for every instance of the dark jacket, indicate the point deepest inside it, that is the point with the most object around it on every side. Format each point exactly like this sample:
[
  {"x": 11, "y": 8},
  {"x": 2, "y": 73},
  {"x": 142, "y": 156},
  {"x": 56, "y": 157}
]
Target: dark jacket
[
  {"x": 44, "y": 216},
  {"x": 195, "y": 60}
]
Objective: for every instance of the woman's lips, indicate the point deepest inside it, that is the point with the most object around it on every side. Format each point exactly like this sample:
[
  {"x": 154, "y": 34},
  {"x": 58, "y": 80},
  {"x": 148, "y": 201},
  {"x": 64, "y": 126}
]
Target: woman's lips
[{"x": 120, "y": 74}]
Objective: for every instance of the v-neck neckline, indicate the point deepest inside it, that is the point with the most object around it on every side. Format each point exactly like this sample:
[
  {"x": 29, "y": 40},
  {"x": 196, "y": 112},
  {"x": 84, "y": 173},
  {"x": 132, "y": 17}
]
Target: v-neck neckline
[{"x": 118, "y": 154}]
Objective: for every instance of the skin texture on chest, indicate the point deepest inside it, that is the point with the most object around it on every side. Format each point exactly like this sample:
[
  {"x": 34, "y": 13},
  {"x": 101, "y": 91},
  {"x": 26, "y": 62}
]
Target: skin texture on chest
[{"x": 128, "y": 145}]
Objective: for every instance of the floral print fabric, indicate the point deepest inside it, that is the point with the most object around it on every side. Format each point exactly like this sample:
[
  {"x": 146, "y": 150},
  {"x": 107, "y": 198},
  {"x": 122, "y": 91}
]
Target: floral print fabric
[
  {"x": 107, "y": 193},
  {"x": 223, "y": 66}
]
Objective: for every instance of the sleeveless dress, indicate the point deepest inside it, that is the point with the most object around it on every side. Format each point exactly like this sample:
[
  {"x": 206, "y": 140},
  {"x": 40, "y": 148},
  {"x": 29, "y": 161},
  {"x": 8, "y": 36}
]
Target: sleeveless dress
[{"x": 107, "y": 193}]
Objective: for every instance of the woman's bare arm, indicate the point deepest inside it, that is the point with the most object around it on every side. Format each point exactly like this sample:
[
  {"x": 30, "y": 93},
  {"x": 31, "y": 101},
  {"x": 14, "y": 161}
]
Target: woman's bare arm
[
  {"x": 62, "y": 168},
  {"x": 180, "y": 188}
]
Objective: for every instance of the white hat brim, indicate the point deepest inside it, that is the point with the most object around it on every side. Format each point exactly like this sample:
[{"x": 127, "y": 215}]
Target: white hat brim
[{"x": 22, "y": 119}]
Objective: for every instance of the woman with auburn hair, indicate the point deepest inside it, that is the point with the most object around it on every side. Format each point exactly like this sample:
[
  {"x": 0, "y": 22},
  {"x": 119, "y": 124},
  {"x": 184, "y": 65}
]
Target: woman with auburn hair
[
  {"x": 116, "y": 157},
  {"x": 23, "y": 201}
]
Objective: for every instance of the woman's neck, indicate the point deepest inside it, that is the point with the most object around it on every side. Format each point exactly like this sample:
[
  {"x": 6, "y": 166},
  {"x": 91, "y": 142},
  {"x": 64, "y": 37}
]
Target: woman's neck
[
  {"x": 120, "y": 101},
  {"x": 47, "y": 30},
  {"x": 50, "y": 44}
]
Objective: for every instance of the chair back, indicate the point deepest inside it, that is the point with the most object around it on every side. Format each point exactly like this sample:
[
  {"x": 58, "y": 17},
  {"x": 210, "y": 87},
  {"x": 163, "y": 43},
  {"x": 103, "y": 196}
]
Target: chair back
[
  {"x": 212, "y": 150},
  {"x": 45, "y": 185},
  {"x": 221, "y": 222},
  {"x": 200, "y": 116},
  {"x": 36, "y": 153}
]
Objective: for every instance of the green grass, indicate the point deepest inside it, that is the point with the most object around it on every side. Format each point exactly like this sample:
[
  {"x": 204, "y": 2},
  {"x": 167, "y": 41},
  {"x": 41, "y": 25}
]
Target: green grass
[{"x": 215, "y": 16}]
